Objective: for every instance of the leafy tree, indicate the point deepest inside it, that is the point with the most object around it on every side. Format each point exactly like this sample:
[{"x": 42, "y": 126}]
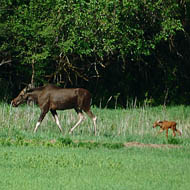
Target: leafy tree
[{"x": 97, "y": 44}]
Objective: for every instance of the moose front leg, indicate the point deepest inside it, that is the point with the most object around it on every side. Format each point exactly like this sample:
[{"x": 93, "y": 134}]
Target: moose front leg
[
  {"x": 160, "y": 131},
  {"x": 42, "y": 115}
]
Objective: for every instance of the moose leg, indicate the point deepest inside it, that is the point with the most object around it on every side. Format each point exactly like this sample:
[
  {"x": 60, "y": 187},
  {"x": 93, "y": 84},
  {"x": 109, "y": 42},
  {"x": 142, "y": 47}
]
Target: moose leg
[
  {"x": 42, "y": 115},
  {"x": 174, "y": 134},
  {"x": 178, "y": 131},
  {"x": 54, "y": 113},
  {"x": 94, "y": 118},
  {"x": 81, "y": 118},
  {"x": 161, "y": 130},
  {"x": 167, "y": 133}
]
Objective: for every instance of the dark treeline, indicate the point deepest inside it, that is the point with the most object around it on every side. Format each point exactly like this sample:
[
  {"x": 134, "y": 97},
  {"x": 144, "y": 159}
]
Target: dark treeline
[{"x": 121, "y": 51}]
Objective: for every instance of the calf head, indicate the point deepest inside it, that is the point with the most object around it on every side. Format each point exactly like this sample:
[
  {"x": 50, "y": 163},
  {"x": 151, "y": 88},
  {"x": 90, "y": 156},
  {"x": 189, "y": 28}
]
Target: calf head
[
  {"x": 21, "y": 98},
  {"x": 157, "y": 123}
]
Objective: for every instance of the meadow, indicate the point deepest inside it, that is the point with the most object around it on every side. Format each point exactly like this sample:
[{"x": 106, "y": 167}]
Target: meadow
[{"x": 51, "y": 160}]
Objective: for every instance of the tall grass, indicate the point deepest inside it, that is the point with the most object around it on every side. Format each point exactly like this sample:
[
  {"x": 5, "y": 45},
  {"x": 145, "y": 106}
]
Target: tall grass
[{"x": 131, "y": 124}]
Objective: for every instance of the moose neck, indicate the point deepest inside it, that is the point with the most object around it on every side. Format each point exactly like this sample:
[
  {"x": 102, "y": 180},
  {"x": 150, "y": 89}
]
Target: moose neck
[{"x": 33, "y": 95}]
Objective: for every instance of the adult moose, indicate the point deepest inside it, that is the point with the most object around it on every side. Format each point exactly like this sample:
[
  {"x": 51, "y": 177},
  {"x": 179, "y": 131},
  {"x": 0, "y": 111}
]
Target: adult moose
[{"x": 51, "y": 97}]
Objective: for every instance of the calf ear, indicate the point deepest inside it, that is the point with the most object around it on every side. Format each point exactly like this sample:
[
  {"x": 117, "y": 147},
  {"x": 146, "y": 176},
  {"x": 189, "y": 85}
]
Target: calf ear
[{"x": 160, "y": 122}]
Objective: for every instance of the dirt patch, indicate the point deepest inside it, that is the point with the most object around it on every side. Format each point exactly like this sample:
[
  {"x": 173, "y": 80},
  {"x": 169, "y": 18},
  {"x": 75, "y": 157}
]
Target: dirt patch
[
  {"x": 126, "y": 144},
  {"x": 134, "y": 144},
  {"x": 137, "y": 144}
]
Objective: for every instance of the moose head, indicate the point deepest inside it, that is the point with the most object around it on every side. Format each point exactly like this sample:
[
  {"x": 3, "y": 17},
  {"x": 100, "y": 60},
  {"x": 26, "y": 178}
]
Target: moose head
[{"x": 22, "y": 97}]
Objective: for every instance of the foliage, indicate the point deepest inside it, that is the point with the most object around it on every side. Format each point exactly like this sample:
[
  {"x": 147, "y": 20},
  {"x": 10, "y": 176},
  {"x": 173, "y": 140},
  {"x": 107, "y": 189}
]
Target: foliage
[{"x": 93, "y": 44}]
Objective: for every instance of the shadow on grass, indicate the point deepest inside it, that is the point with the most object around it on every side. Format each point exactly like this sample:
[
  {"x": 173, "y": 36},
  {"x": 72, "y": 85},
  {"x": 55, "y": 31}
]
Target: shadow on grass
[
  {"x": 89, "y": 144},
  {"x": 174, "y": 141},
  {"x": 60, "y": 142}
]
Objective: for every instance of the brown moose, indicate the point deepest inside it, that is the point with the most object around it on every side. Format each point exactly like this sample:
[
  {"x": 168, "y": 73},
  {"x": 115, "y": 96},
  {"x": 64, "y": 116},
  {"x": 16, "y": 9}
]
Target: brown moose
[
  {"x": 52, "y": 98},
  {"x": 165, "y": 125}
]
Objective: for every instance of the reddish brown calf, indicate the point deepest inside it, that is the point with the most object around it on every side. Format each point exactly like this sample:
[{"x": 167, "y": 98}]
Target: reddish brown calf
[{"x": 165, "y": 125}]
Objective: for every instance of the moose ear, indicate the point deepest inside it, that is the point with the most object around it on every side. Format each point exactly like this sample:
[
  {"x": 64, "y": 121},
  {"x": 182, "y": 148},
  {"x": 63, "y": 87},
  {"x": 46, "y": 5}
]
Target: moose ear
[
  {"x": 28, "y": 87},
  {"x": 24, "y": 90}
]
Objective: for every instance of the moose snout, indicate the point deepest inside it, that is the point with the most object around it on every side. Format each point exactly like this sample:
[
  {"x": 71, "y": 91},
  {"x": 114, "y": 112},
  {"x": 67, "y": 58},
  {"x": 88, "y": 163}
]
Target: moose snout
[{"x": 13, "y": 103}]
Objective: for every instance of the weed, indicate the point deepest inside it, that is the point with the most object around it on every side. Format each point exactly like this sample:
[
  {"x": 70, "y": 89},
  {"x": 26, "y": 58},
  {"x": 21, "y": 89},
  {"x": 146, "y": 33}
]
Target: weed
[
  {"x": 65, "y": 141},
  {"x": 175, "y": 141}
]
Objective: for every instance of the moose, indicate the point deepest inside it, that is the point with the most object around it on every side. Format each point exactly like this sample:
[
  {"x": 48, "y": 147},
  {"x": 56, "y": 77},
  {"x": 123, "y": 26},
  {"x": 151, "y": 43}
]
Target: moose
[
  {"x": 165, "y": 125},
  {"x": 52, "y": 98}
]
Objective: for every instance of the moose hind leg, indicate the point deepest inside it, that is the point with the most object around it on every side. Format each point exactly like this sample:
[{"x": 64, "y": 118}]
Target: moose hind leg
[
  {"x": 174, "y": 134},
  {"x": 81, "y": 118},
  {"x": 55, "y": 116},
  {"x": 178, "y": 131},
  {"x": 167, "y": 133},
  {"x": 94, "y": 118}
]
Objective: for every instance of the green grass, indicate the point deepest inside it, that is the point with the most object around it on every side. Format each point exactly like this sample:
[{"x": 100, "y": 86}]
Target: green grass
[
  {"x": 50, "y": 160},
  {"x": 81, "y": 168}
]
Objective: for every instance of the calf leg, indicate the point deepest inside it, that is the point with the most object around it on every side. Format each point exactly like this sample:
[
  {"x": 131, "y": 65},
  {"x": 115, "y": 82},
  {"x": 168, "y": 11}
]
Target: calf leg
[
  {"x": 174, "y": 134},
  {"x": 167, "y": 133},
  {"x": 55, "y": 116},
  {"x": 161, "y": 130},
  {"x": 93, "y": 117},
  {"x": 81, "y": 118},
  {"x": 178, "y": 131}
]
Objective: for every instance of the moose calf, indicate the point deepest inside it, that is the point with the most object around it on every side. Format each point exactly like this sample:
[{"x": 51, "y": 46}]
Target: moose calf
[{"x": 165, "y": 125}]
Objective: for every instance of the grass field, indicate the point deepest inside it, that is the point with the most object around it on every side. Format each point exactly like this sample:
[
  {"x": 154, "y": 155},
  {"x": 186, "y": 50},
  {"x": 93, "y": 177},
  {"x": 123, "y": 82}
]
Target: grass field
[
  {"x": 81, "y": 168},
  {"x": 50, "y": 160}
]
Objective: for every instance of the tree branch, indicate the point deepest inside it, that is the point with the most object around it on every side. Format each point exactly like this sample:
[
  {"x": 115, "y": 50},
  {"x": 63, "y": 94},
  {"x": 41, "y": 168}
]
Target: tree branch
[{"x": 5, "y": 62}]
